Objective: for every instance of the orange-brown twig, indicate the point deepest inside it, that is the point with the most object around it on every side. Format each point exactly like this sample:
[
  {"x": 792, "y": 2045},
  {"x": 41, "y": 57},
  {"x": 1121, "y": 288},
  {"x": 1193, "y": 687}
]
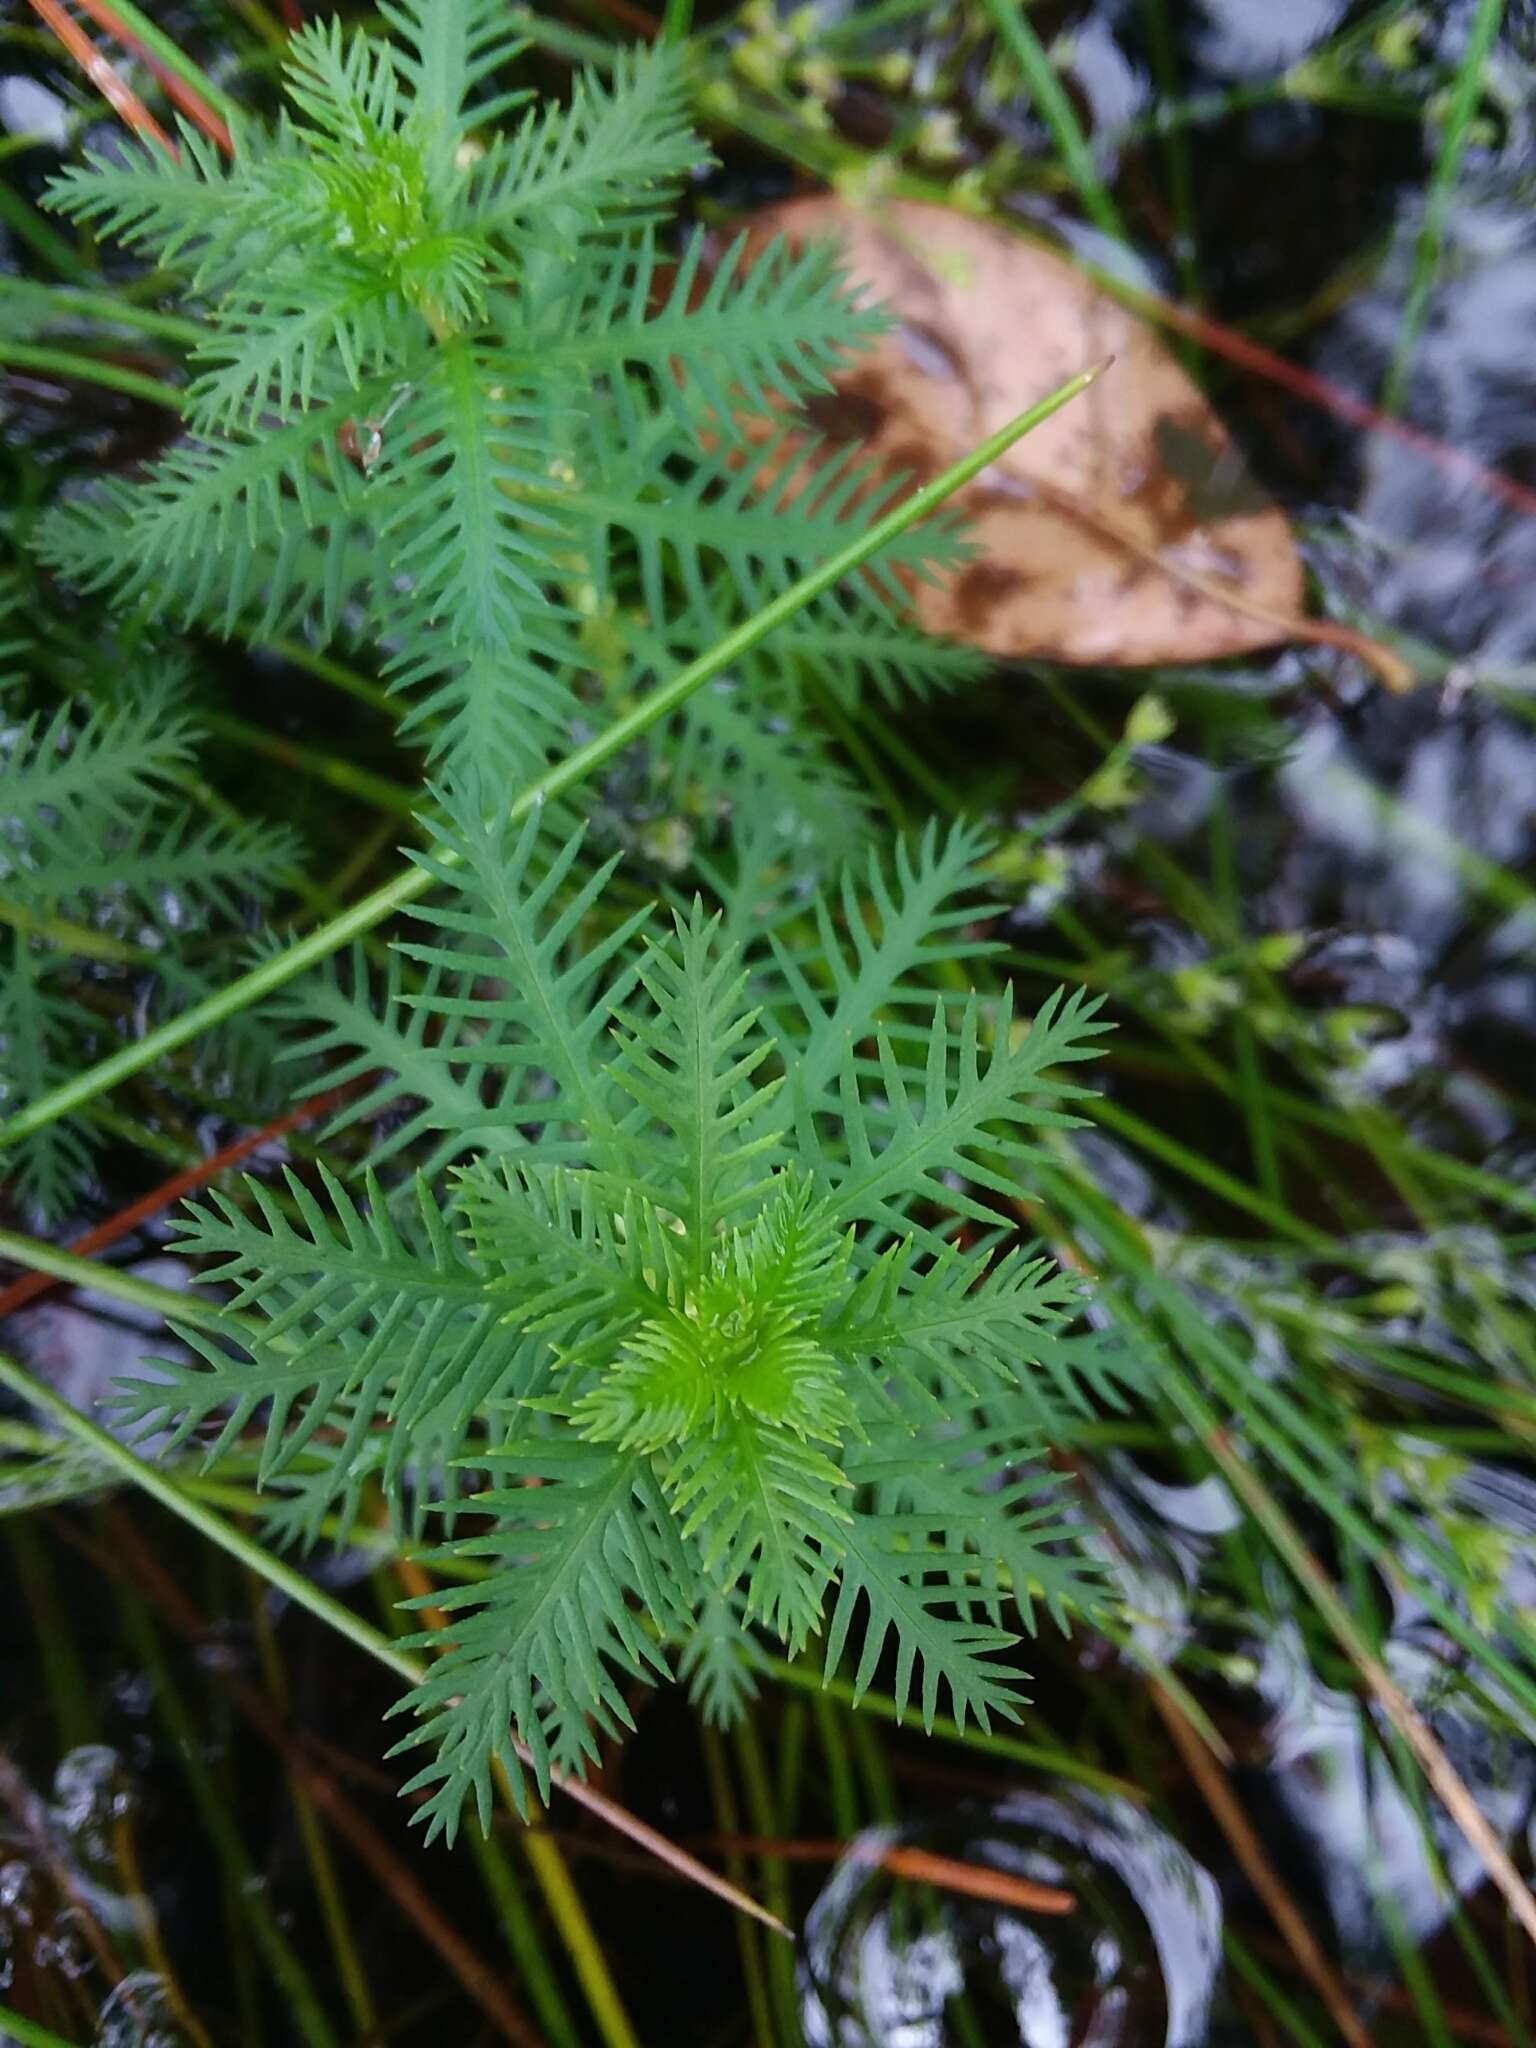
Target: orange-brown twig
[
  {"x": 1245, "y": 1845},
  {"x": 30, "y": 1285},
  {"x": 922, "y": 1866},
  {"x": 1317, "y": 391},
  {"x": 635, "y": 19},
  {"x": 178, "y": 90},
  {"x": 479, "y": 1981},
  {"x": 619, "y": 1818},
  {"x": 119, "y": 95}
]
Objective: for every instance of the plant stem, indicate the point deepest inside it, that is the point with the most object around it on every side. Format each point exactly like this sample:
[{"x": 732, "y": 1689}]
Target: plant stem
[
  {"x": 117, "y": 1284},
  {"x": 581, "y": 1944},
  {"x": 128, "y": 1465},
  {"x": 161, "y": 47},
  {"x": 60, "y": 304},
  {"x": 209, "y": 1796},
  {"x": 57, "y": 362},
  {"x": 1045, "y": 89},
  {"x": 74, "y": 938},
  {"x": 317, "y": 1852},
  {"x": 377, "y": 791},
  {"x": 523, "y": 1940},
  {"x": 415, "y": 880},
  {"x": 1437, "y": 200},
  {"x": 1032, "y": 1756},
  {"x": 28, "y": 226},
  {"x": 722, "y": 1794},
  {"x": 336, "y": 673},
  {"x": 27, "y": 2033}
]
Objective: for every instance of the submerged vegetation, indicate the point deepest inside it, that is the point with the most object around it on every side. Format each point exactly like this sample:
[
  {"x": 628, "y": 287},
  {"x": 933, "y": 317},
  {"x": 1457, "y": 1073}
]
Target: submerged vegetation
[{"x": 700, "y": 1248}]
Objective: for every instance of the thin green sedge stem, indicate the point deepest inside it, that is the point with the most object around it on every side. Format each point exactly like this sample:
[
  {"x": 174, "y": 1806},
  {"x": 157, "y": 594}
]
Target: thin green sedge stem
[
  {"x": 1282, "y": 1533},
  {"x": 377, "y": 791},
  {"x": 274, "y": 1570},
  {"x": 554, "y": 1880},
  {"x": 575, "y": 45},
  {"x": 1250, "y": 1073},
  {"x": 1055, "y": 109},
  {"x": 415, "y": 881},
  {"x": 129, "y": 1466},
  {"x": 1176, "y": 163},
  {"x": 62, "y": 303},
  {"x": 841, "y": 1790},
  {"x": 774, "y": 1877},
  {"x": 527, "y": 1951},
  {"x": 324, "y": 1880},
  {"x": 120, "y": 1285},
  {"x": 871, "y": 20},
  {"x": 1404, "y": 1717},
  {"x": 161, "y": 47},
  {"x": 28, "y": 226},
  {"x": 78, "y": 369},
  {"x": 1438, "y": 198},
  {"x": 74, "y": 1723},
  {"x": 1278, "y": 2006},
  {"x": 210, "y": 1794},
  {"x": 677, "y": 21},
  {"x": 1490, "y": 1981},
  {"x": 79, "y": 939},
  {"x": 337, "y": 674},
  {"x": 870, "y": 1762},
  {"x": 1226, "y": 1186},
  {"x": 1032, "y": 1755},
  {"x": 1312, "y": 1458},
  {"x": 27, "y": 2033},
  {"x": 272, "y": 32},
  {"x": 722, "y": 1798}
]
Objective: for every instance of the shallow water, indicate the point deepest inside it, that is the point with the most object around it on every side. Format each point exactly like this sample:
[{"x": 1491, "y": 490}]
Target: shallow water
[{"x": 1137, "y": 1962}]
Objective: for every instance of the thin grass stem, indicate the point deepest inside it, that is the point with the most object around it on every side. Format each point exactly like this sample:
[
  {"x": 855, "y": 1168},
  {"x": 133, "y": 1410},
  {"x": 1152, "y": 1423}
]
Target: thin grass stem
[
  {"x": 1438, "y": 199},
  {"x": 414, "y": 881},
  {"x": 1039, "y": 79}
]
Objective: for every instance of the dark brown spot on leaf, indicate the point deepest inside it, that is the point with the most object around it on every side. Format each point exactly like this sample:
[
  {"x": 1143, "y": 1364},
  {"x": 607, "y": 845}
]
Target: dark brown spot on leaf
[
  {"x": 983, "y": 586},
  {"x": 851, "y": 413}
]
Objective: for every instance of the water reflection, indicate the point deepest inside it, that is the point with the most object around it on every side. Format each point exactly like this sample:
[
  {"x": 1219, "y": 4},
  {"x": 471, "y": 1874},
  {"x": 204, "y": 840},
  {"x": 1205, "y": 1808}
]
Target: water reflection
[
  {"x": 138, "y": 2015},
  {"x": 1251, "y": 38},
  {"x": 65, "y": 1910},
  {"x": 894, "y": 1964},
  {"x": 1381, "y": 1856},
  {"x": 1432, "y": 548}
]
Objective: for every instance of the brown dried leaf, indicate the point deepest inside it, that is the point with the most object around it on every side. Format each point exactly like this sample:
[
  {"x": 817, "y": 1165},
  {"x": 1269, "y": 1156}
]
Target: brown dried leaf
[{"x": 1123, "y": 531}]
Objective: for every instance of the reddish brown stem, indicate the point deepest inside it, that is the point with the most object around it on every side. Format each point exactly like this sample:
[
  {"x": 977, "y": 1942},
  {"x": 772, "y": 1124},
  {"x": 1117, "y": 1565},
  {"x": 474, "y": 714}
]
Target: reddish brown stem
[
  {"x": 119, "y": 95},
  {"x": 177, "y": 90},
  {"x": 1245, "y": 1845},
  {"x": 187, "y": 1182},
  {"x": 1317, "y": 391},
  {"x": 479, "y": 1981},
  {"x": 921, "y": 1866}
]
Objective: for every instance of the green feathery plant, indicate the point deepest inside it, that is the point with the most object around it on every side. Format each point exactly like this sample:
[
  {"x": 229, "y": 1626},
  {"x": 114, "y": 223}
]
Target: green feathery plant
[
  {"x": 109, "y": 880},
  {"x": 728, "y": 1293},
  {"x": 704, "y": 1234},
  {"x": 681, "y": 1294},
  {"x": 453, "y": 400}
]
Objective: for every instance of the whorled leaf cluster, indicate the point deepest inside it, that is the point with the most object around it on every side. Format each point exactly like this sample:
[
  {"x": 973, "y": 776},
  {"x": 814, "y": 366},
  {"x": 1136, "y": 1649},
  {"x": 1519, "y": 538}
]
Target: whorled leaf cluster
[
  {"x": 701, "y": 1313},
  {"x": 714, "y": 1266},
  {"x": 455, "y": 399}
]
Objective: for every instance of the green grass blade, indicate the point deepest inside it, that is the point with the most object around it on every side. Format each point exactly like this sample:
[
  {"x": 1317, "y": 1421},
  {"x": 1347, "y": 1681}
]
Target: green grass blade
[{"x": 275, "y": 972}]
